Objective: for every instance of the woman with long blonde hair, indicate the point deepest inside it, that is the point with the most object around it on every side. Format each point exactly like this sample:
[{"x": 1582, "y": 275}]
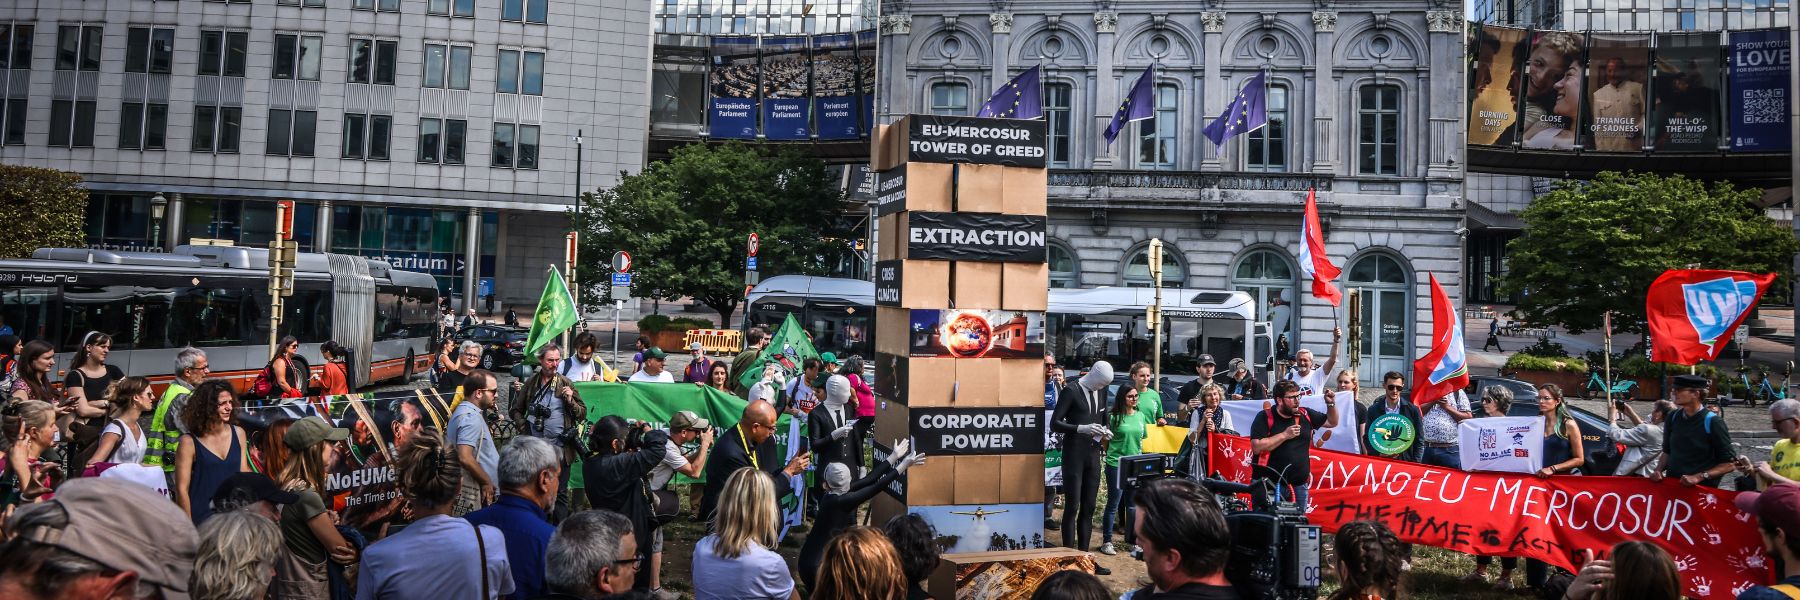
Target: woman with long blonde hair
[
  {"x": 29, "y": 427},
  {"x": 860, "y": 563},
  {"x": 738, "y": 560}
]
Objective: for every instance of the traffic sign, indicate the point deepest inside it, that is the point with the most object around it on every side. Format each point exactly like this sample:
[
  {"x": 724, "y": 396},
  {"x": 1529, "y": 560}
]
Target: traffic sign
[
  {"x": 751, "y": 265},
  {"x": 621, "y": 279},
  {"x": 621, "y": 262},
  {"x": 754, "y": 243}
]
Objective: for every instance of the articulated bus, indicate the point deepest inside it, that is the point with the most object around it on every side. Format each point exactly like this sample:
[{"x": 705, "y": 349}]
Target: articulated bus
[
  {"x": 1082, "y": 325},
  {"x": 216, "y": 298}
]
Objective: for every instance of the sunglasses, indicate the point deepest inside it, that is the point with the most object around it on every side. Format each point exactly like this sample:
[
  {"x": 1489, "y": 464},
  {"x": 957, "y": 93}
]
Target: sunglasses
[{"x": 1395, "y": 388}]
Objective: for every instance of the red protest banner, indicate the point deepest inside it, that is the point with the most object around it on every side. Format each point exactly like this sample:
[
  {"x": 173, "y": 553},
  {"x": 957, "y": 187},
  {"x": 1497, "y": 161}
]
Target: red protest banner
[{"x": 1552, "y": 519}]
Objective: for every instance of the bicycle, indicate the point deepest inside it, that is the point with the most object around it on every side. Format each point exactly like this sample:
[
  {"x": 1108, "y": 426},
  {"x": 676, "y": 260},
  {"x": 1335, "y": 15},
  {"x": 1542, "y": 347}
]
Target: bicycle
[{"x": 1595, "y": 385}]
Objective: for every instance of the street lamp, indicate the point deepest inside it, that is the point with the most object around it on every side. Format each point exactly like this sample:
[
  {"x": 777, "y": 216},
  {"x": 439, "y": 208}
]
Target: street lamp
[{"x": 157, "y": 205}]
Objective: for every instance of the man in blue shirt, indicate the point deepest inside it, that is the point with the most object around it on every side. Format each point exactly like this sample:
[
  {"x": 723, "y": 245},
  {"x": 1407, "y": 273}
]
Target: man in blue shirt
[{"x": 529, "y": 472}]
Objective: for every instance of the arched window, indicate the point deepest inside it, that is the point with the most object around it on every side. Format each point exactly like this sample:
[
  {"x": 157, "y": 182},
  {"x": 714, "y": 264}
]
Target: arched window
[
  {"x": 1065, "y": 270},
  {"x": 1386, "y": 314},
  {"x": 1137, "y": 267},
  {"x": 1268, "y": 276}
]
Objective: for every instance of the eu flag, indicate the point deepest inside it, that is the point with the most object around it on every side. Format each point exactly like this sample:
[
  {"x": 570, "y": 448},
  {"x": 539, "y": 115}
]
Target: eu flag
[
  {"x": 1138, "y": 104},
  {"x": 1020, "y": 98},
  {"x": 1247, "y": 112}
]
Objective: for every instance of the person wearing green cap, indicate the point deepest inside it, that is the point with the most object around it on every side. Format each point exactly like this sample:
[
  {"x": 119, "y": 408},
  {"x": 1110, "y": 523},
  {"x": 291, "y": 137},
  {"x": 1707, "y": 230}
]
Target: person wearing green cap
[
  {"x": 653, "y": 371},
  {"x": 307, "y": 527}
]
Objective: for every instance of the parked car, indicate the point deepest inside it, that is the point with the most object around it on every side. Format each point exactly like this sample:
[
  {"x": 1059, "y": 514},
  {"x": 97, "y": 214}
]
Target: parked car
[
  {"x": 1596, "y": 433},
  {"x": 501, "y": 346}
]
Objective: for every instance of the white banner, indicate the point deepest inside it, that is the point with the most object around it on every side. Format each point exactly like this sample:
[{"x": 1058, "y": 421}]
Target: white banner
[
  {"x": 1341, "y": 438},
  {"x": 1504, "y": 444}
]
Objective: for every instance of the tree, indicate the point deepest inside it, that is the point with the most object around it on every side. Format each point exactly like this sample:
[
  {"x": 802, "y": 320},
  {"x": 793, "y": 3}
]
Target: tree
[
  {"x": 1592, "y": 247},
  {"x": 42, "y": 208},
  {"x": 686, "y": 221}
]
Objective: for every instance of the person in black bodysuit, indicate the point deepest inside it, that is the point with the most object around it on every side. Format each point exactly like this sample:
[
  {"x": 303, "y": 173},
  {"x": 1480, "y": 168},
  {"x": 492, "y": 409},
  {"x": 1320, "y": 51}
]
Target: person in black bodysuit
[
  {"x": 1079, "y": 416},
  {"x": 843, "y": 497}
]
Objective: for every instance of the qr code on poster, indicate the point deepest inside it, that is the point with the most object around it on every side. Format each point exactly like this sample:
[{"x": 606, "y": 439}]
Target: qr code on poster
[{"x": 1765, "y": 106}]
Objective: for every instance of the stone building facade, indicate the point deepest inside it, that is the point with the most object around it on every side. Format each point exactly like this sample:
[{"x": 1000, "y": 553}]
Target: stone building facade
[{"x": 1366, "y": 108}]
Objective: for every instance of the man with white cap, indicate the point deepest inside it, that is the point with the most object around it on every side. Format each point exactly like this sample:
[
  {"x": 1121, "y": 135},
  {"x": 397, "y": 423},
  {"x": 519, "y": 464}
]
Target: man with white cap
[
  {"x": 106, "y": 539},
  {"x": 1080, "y": 415}
]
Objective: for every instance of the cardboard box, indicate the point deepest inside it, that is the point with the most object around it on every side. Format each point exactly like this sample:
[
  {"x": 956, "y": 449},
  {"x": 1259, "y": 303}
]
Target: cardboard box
[
  {"x": 1021, "y": 478},
  {"x": 977, "y": 284},
  {"x": 934, "y": 482},
  {"x": 1026, "y": 191},
  {"x": 1013, "y": 575},
  {"x": 1025, "y": 286},
  {"x": 893, "y": 421},
  {"x": 914, "y": 186},
  {"x": 884, "y": 507},
  {"x": 891, "y": 330},
  {"x": 887, "y": 149},
  {"x": 977, "y": 382},
  {"x": 1021, "y": 382},
  {"x": 915, "y": 381},
  {"x": 981, "y": 188},
  {"x": 890, "y": 237},
  {"x": 977, "y": 480},
  {"x": 912, "y": 283}
]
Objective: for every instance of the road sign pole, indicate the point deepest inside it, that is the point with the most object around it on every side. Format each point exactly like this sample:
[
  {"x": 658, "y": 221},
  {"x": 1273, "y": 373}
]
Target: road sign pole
[
  {"x": 569, "y": 250},
  {"x": 751, "y": 275}
]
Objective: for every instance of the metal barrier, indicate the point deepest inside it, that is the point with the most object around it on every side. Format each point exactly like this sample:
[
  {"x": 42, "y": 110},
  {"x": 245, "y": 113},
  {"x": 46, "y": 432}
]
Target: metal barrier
[{"x": 717, "y": 341}]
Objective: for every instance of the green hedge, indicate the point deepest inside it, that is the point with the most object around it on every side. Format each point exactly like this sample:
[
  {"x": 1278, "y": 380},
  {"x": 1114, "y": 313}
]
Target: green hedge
[
  {"x": 654, "y": 323},
  {"x": 1533, "y": 362}
]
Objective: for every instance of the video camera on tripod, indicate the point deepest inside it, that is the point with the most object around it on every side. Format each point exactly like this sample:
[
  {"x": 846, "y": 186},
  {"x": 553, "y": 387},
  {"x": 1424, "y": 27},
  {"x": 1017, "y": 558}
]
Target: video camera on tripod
[{"x": 1275, "y": 553}]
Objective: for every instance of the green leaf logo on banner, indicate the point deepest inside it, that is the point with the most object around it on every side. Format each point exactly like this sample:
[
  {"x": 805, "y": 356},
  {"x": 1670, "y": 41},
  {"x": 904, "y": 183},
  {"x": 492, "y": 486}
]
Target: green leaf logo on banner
[
  {"x": 789, "y": 347},
  {"x": 555, "y": 314}
]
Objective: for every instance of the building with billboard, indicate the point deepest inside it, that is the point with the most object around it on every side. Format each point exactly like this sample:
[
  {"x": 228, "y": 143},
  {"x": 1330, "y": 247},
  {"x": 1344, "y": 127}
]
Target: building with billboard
[
  {"x": 1357, "y": 112},
  {"x": 1665, "y": 86},
  {"x": 438, "y": 134}
]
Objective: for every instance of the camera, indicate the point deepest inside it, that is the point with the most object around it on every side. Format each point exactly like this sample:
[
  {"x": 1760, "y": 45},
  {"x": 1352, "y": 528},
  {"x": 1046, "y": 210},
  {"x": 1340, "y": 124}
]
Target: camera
[{"x": 1275, "y": 553}]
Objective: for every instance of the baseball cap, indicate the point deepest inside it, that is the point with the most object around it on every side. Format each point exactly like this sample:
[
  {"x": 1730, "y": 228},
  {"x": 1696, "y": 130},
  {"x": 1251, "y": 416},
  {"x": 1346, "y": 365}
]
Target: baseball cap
[
  {"x": 127, "y": 527},
  {"x": 307, "y": 432},
  {"x": 1778, "y": 506},
  {"x": 685, "y": 420},
  {"x": 1207, "y": 359},
  {"x": 1690, "y": 382},
  {"x": 656, "y": 353},
  {"x": 255, "y": 485},
  {"x": 695, "y": 347},
  {"x": 829, "y": 358}
]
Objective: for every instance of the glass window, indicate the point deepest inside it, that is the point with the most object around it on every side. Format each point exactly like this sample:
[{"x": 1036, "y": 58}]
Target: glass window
[
  {"x": 503, "y": 145},
  {"x": 533, "y": 77},
  {"x": 355, "y": 134},
  {"x": 1137, "y": 268},
  {"x": 27, "y": 310},
  {"x": 1065, "y": 270},
  {"x": 292, "y": 132},
  {"x": 237, "y": 53},
  {"x": 311, "y": 49},
  {"x": 949, "y": 98},
  {"x": 459, "y": 67},
  {"x": 1378, "y": 146},
  {"x": 1156, "y": 135},
  {"x": 12, "y": 122},
  {"x": 380, "y": 130},
  {"x": 1268, "y": 144},
  {"x": 205, "y": 317},
  {"x": 528, "y": 146},
  {"x": 72, "y": 123},
  {"x": 454, "y": 132},
  {"x": 15, "y": 45},
  {"x": 162, "y": 50},
  {"x": 287, "y": 49},
  {"x": 346, "y": 227},
  {"x": 536, "y": 11},
  {"x": 1057, "y": 109},
  {"x": 372, "y": 61},
  {"x": 137, "y": 49},
  {"x": 508, "y": 80},
  {"x": 362, "y": 58},
  {"x": 435, "y": 55},
  {"x": 141, "y": 126},
  {"x": 386, "y": 57},
  {"x": 465, "y": 8},
  {"x": 408, "y": 229},
  {"x": 212, "y": 51},
  {"x": 430, "y": 137},
  {"x": 280, "y": 130},
  {"x": 438, "y": 7},
  {"x": 512, "y": 10},
  {"x": 206, "y": 120},
  {"x": 78, "y": 48}
]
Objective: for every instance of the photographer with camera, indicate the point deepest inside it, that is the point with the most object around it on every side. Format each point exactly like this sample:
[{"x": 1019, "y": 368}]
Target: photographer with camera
[
  {"x": 1281, "y": 437},
  {"x": 616, "y": 475},
  {"x": 548, "y": 407},
  {"x": 684, "y": 427},
  {"x": 1185, "y": 540}
]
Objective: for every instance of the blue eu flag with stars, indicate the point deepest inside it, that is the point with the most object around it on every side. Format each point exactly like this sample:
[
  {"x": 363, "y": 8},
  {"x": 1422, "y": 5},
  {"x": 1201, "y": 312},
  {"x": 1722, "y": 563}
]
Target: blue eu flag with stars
[
  {"x": 1247, "y": 112},
  {"x": 1138, "y": 104},
  {"x": 1021, "y": 98}
]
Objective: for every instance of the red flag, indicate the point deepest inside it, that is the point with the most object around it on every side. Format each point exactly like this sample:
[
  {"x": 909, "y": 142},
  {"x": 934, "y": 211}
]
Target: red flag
[
  {"x": 1445, "y": 368},
  {"x": 1312, "y": 255},
  {"x": 1693, "y": 312}
]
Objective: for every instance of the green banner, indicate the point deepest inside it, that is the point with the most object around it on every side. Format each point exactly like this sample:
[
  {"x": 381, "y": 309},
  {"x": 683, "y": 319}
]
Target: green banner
[
  {"x": 788, "y": 347},
  {"x": 555, "y": 314},
  {"x": 657, "y": 402}
]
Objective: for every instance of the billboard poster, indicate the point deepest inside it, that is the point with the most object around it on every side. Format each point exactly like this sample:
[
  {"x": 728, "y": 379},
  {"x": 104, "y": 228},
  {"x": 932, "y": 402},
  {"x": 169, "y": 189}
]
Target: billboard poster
[
  {"x": 1552, "y": 82},
  {"x": 976, "y": 334},
  {"x": 360, "y": 482},
  {"x": 1760, "y": 61},
  {"x": 1684, "y": 98},
  {"x": 835, "y": 89},
  {"x": 1618, "y": 66},
  {"x": 735, "y": 79},
  {"x": 786, "y": 74},
  {"x": 865, "y": 78},
  {"x": 985, "y": 527},
  {"x": 1494, "y": 92}
]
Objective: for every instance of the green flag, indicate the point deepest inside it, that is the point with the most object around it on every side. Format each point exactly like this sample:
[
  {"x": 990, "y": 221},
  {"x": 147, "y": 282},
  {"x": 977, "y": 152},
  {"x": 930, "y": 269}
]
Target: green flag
[
  {"x": 555, "y": 313},
  {"x": 788, "y": 347}
]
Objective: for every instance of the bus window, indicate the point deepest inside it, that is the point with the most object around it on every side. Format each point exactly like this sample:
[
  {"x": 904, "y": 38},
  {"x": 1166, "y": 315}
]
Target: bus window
[
  {"x": 136, "y": 317},
  {"x": 306, "y": 315},
  {"x": 1080, "y": 340},
  {"x": 26, "y": 312},
  {"x": 1181, "y": 350},
  {"x": 213, "y": 316}
]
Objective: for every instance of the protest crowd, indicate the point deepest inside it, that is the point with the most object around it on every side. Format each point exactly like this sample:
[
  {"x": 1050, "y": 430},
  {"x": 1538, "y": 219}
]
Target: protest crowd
[{"x": 111, "y": 490}]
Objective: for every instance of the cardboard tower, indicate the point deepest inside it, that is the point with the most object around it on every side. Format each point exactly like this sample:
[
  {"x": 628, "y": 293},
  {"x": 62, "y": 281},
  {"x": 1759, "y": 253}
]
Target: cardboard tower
[{"x": 961, "y": 288}]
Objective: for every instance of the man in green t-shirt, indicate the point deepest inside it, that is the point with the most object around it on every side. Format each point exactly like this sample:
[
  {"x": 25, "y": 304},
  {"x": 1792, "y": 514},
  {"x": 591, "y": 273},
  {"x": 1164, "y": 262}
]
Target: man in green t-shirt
[{"x": 165, "y": 426}]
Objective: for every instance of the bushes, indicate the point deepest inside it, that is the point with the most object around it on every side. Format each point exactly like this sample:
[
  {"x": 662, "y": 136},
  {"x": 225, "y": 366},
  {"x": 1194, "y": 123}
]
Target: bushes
[
  {"x": 657, "y": 323},
  {"x": 42, "y": 208},
  {"x": 1532, "y": 362}
]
